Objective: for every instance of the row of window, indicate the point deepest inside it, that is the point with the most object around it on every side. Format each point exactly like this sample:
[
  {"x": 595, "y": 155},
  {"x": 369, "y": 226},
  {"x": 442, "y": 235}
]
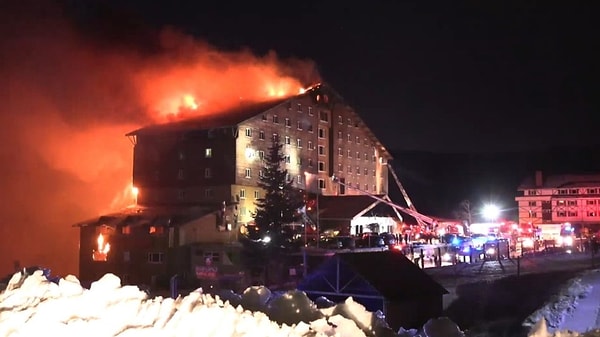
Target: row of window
[
  {"x": 568, "y": 191},
  {"x": 208, "y": 153},
  {"x": 590, "y": 202},
  {"x": 322, "y": 115},
  {"x": 567, "y": 214}
]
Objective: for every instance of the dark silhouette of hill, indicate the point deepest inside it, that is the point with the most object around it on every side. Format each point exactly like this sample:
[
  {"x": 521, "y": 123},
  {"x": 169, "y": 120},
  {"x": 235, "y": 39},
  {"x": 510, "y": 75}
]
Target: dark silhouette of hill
[{"x": 438, "y": 182}]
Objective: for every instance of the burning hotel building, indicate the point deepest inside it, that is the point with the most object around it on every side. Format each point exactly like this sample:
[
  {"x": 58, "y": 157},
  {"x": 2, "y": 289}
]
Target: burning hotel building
[{"x": 196, "y": 182}]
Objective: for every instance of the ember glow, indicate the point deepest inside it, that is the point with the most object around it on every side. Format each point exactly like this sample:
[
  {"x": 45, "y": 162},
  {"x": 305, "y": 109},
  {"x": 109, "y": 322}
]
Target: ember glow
[{"x": 73, "y": 97}]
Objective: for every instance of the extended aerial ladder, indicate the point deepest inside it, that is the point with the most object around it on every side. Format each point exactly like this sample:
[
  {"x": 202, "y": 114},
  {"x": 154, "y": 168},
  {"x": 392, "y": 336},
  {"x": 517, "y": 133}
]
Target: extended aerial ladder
[
  {"x": 418, "y": 216},
  {"x": 409, "y": 203}
]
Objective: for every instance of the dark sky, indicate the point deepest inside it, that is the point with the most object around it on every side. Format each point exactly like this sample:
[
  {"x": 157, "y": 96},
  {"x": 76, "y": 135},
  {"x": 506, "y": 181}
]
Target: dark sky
[{"x": 446, "y": 76}]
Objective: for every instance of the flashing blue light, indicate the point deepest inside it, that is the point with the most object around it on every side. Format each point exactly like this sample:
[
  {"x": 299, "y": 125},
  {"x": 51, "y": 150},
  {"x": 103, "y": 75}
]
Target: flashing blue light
[
  {"x": 466, "y": 249},
  {"x": 455, "y": 241}
]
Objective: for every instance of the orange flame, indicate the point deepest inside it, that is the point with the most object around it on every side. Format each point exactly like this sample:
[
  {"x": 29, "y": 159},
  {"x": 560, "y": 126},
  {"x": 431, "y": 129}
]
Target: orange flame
[{"x": 101, "y": 254}]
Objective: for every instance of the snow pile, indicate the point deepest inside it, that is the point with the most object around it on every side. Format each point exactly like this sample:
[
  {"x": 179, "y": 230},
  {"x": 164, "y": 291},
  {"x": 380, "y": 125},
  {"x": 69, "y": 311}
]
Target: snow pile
[{"x": 556, "y": 309}]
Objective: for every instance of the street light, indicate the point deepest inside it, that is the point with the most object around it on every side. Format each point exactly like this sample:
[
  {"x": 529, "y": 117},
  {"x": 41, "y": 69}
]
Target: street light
[{"x": 491, "y": 212}]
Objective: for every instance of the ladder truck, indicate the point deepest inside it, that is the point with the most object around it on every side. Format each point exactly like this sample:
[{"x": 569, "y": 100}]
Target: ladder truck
[{"x": 409, "y": 203}]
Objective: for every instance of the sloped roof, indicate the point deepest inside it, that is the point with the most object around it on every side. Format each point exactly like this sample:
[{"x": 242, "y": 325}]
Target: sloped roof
[
  {"x": 230, "y": 117},
  {"x": 389, "y": 273},
  {"x": 164, "y": 216},
  {"x": 343, "y": 207},
  {"x": 563, "y": 181}
]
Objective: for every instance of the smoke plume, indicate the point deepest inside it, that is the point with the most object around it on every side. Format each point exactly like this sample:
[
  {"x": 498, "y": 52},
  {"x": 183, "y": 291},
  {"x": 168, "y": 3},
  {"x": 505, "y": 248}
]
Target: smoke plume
[{"x": 68, "y": 100}]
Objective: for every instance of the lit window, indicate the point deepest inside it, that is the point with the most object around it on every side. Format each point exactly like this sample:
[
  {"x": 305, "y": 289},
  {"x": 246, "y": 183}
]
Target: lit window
[
  {"x": 299, "y": 125},
  {"x": 340, "y": 152},
  {"x": 349, "y": 137},
  {"x": 242, "y": 194},
  {"x": 261, "y": 135},
  {"x": 248, "y": 132},
  {"x": 340, "y": 120},
  {"x": 299, "y": 143},
  {"x": 340, "y": 135},
  {"x": 102, "y": 249},
  {"x": 256, "y": 194},
  {"x": 299, "y": 179},
  {"x": 208, "y": 153},
  {"x": 311, "y": 146},
  {"x": 288, "y": 123},
  {"x": 287, "y": 140},
  {"x": 156, "y": 230},
  {"x": 248, "y": 173}
]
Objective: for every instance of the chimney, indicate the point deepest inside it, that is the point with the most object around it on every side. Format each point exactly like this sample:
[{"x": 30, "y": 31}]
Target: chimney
[{"x": 539, "y": 179}]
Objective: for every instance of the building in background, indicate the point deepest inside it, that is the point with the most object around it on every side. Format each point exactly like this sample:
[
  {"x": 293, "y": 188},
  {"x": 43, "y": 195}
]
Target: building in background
[{"x": 569, "y": 199}]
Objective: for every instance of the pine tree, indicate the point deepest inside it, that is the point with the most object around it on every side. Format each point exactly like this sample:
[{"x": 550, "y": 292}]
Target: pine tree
[{"x": 281, "y": 202}]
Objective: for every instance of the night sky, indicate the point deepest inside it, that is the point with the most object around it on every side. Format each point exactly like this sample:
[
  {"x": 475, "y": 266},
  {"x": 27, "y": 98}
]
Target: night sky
[{"x": 447, "y": 76}]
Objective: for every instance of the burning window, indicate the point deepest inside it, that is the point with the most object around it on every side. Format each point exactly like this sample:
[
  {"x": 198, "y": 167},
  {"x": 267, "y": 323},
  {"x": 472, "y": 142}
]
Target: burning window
[
  {"x": 156, "y": 230},
  {"x": 102, "y": 249},
  {"x": 126, "y": 230}
]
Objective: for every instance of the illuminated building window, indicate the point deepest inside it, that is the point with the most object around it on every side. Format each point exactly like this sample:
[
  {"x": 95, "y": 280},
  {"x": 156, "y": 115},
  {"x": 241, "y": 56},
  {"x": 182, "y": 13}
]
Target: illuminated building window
[
  {"x": 208, "y": 193},
  {"x": 299, "y": 179},
  {"x": 349, "y": 170},
  {"x": 156, "y": 230},
  {"x": 357, "y": 155},
  {"x": 261, "y": 155},
  {"x": 366, "y": 172},
  {"x": 299, "y": 107},
  {"x": 349, "y": 153},
  {"x": 322, "y": 184},
  {"x": 242, "y": 193},
  {"x": 299, "y": 125},
  {"x": 349, "y": 137},
  {"x": 288, "y": 123},
  {"x": 321, "y": 133},
  {"x": 207, "y": 173},
  {"x": 299, "y": 160},
  {"x": 156, "y": 257},
  {"x": 321, "y": 166},
  {"x": 592, "y": 214},
  {"x": 311, "y": 146},
  {"x": 299, "y": 143},
  {"x": 366, "y": 156},
  {"x": 261, "y": 135},
  {"x": 340, "y": 152},
  {"x": 248, "y": 173},
  {"x": 340, "y": 120},
  {"x": 340, "y": 135},
  {"x": 275, "y": 119},
  {"x": 357, "y": 140},
  {"x": 358, "y": 170},
  {"x": 256, "y": 194},
  {"x": 102, "y": 249},
  {"x": 208, "y": 153},
  {"x": 126, "y": 230},
  {"x": 275, "y": 137},
  {"x": 321, "y": 150},
  {"x": 310, "y": 111},
  {"x": 287, "y": 140},
  {"x": 248, "y": 132},
  {"x": 340, "y": 168},
  {"x": 287, "y": 159}
]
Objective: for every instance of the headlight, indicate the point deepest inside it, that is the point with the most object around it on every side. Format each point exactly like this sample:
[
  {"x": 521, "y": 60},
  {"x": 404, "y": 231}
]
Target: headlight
[
  {"x": 568, "y": 241},
  {"x": 447, "y": 257},
  {"x": 490, "y": 251}
]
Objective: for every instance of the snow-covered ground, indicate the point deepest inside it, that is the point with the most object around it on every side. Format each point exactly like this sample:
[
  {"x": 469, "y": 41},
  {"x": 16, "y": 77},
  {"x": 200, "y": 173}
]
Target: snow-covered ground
[{"x": 32, "y": 305}]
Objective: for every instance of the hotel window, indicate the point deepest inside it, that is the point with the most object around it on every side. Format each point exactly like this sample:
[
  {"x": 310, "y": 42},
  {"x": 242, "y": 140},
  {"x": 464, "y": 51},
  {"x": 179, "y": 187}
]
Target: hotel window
[
  {"x": 561, "y": 214},
  {"x": 592, "y": 213},
  {"x": 299, "y": 160},
  {"x": 357, "y": 155},
  {"x": 207, "y": 173},
  {"x": 366, "y": 156},
  {"x": 261, "y": 155},
  {"x": 373, "y": 173},
  {"x": 321, "y": 133},
  {"x": 357, "y": 140},
  {"x": 311, "y": 146},
  {"x": 349, "y": 122},
  {"x": 532, "y": 203},
  {"x": 321, "y": 150},
  {"x": 572, "y": 203},
  {"x": 180, "y": 174},
  {"x": 288, "y": 123},
  {"x": 358, "y": 170},
  {"x": 181, "y": 194},
  {"x": 309, "y": 128},
  {"x": 310, "y": 163},
  {"x": 248, "y": 132},
  {"x": 264, "y": 118},
  {"x": 366, "y": 172},
  {"x": 590, "y": 202},
  {"x": 340, "y": 152},
  {"x": 340, "y": 120},
  {"x": 349, "y": 137},
  {"x": 374, "y": 188},
  {"x": 340, "y": 135},
  {"x": 208, "y": 193},
  {"x": 572, "y": 213},
  {"x": 242, "y": 193},
  {"x": 340, "y": 168},
  {"x": 287, "y": 159},
  {"x": 299, "y": 179},
  {"x": 349, "y": 170},
  {"x": 288, "y": 141},
  {"x": 366, "y": 187},
  {"x": 248, "y": 173},
  {"x": 349, "y": 154},
  {"x": 573, "y": 191},
  {"x": 366, "y": 142},
  {"x": 310, "y": 111},
  {"x": 275, "y": 119},
  {"x": 256, "y": 194},
  {"x": 299, "y": 125},
  {"x": 181, "y": 155},
  {"x": 323, "y": 116},
  {"x": 321, "y": 166},
  {"x": 261, "y": 135},
  {"x": 592, "y": 191},
  {"x": 322, "y": 184},
  {"x": 299, "y": 107},
  {"x": 156, "y": 257},
  {"x": 208, "y": 153},
  {"x": 275, "y": 137},
  {"x": 299, "y": 143}
]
